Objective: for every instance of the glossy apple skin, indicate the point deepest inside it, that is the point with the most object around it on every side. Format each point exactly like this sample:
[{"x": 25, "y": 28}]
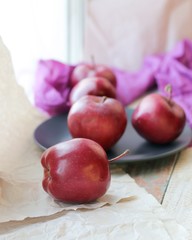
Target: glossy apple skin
[
  {"x": 96, "y": 86},
  {"x": 101, "y": 119},
  {"x": 158, "y": 120},
  {"x": 85, "y": 70},
  {"x": 76, "y": 171}
]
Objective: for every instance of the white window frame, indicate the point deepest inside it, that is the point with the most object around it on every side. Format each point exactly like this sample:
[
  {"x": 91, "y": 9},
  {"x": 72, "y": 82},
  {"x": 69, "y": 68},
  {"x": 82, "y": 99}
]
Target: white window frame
[{"x": 75, "y": 11}]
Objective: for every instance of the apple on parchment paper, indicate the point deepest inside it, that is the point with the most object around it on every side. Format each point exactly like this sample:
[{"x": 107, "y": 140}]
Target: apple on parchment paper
[
  {"x": 76, "y": 171},
  {"x": 97, "y": 86},
  {"x": 101, "y": 119},
  {"x": 85, "y": 70},
  {"x": 158, "y": 119}
]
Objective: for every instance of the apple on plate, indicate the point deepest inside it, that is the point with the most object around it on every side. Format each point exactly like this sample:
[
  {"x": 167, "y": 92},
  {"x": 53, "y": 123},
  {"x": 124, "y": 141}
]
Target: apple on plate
[
  {"x": 158, "y": 119},
  {"x": 76, "y": 171},
  {"x": 96, "y": 86},
  {"x": 85, "y": 70},
  {"x": 98, "y": 118}
]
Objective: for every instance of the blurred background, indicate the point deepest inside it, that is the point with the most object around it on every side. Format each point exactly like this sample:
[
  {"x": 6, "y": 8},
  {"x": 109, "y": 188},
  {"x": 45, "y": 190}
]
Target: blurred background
[
  {"x": 119, "y": 33},
  {"x": 41, "y": 29}
]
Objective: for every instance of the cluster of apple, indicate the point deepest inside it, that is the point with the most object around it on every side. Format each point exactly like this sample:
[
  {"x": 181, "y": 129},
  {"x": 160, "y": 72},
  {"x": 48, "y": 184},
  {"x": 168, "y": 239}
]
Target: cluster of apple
[
  {"x": 95, "y": 113},
  {"x": 77, "y": 171}
]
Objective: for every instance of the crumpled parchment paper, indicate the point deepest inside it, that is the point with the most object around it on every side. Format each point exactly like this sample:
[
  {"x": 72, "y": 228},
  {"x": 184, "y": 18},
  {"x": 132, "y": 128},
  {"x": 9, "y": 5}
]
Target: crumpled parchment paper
[
  {"x": 22, "y": 197},
  {"x": 142, "y": 218}
]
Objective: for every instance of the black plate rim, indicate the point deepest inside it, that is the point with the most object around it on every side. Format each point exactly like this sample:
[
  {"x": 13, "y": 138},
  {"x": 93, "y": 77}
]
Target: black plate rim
[{"x": 125, "y": 159}]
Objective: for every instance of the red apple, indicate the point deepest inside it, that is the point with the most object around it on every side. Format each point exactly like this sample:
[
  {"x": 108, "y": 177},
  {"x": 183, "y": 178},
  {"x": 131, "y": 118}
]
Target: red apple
[
  {"x": 97, "y": 86},
  {"x": 76, "y": 171},
  {"x": 98, "y": 118},
  {"x": 85, "y": 70},
  {"x": 158, "y": 119}
]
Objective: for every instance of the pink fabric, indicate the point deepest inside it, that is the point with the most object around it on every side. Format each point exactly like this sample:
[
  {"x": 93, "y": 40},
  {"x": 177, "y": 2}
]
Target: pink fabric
[
  {"x": 52, "y": 86},
  {"x": 175, "y": 67},
  {"x": 132, "y": 85}
]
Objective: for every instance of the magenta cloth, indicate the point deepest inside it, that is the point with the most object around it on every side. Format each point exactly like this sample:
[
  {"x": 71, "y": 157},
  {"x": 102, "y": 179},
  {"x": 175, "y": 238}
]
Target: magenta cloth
[
  {"x": 130, "y": 86},
  {"x": 174, "y": 67},
  {"x": 52, "y": 86}
]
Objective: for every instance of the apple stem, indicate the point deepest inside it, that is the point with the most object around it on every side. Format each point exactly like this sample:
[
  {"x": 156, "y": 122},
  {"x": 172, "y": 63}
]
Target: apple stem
[
  {"x": 168, "y": 90},
  {"x": 104, "y": 98},
  {"x": 120, "y": 156}
]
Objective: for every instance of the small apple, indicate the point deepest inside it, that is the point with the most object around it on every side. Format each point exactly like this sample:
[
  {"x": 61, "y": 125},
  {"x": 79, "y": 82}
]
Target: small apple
[
  {"x": 101, "y": 119},
  {"x": 76, "y": 171},
  {"x": 85, "y": 70},
  {"x": 158, "y": 119},
  {"x": 96, "y": 86}
]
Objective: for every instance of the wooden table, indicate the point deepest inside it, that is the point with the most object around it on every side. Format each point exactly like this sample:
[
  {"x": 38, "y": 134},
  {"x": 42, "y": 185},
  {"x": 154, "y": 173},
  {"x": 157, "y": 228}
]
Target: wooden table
[{"x": 154, "y": 176}]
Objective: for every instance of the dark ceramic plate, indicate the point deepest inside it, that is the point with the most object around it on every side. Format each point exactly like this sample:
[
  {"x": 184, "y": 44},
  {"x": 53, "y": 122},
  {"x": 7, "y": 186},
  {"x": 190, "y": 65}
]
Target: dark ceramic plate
[{"x": 55, "y": 130}]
